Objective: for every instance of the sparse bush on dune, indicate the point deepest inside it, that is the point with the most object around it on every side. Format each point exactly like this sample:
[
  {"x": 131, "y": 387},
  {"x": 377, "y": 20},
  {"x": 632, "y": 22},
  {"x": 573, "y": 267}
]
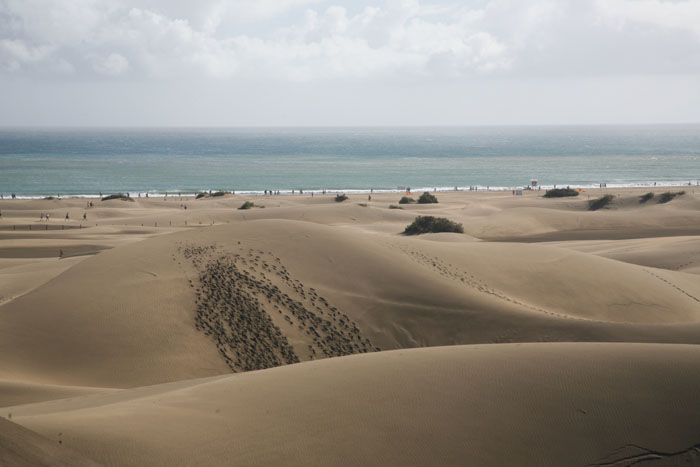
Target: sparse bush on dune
[
  {"x": 430, "y": 224},
  {"x": 247, "y": 205},
  {"x": 669, "y": 195},
  {"x": 560, "y": 193},
  {"x": 120, "y": 196},
  {"x": 393, "y": 206},
  {"x": 49, "y": 197},
  {"x": 339, "y": 198},
  {"x": 201, "y": 194},
  {"x": 406, "y": 200},
  {"x": 595, "y": 204},
  {"x": 646, "y": 197},
  {"x": 427, "y": 198},
  {"x": 218, "y": 193},
  {"x": 364, "y": 205}
]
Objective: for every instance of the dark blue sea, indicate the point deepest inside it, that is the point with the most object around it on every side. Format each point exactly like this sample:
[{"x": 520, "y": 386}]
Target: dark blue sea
[{"x": 83, "y": 162}]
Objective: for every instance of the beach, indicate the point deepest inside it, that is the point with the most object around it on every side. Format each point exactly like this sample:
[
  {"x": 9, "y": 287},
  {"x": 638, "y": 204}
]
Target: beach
[{"x": 306, "y": 331}]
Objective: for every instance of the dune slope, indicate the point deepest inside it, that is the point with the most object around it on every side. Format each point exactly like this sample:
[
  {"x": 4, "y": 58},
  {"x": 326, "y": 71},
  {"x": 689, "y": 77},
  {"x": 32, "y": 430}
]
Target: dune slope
[{"x": 511, "y": 404}]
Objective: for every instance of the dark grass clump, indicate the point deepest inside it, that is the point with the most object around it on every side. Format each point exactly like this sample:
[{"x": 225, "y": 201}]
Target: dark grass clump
[
  {"x": 560, "y": 193},
  {"x": 393, "y": 206},
  {"x": 430, "y": 224},
  {"x": 201, "y": 194},
  {"x": 120, "y": 196},
  {"x": 364, "y": 205},
  {"x": 339, "y": 198},
  {"x": 49, "y": 197},
  {"x": 247, "y": 205},
  {"x": 406, "y": 200},
  {"x": 427, "y": 198},
  {"x": 669, "y": 195},
  {"x": 646, "y": 197},
  {"x": 218, "y": 193},
  {"x": 595, "y": 204}
]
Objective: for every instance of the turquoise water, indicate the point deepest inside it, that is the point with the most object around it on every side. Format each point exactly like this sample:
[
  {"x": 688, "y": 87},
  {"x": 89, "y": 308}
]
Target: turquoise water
[{"x": 84, "y": 162}]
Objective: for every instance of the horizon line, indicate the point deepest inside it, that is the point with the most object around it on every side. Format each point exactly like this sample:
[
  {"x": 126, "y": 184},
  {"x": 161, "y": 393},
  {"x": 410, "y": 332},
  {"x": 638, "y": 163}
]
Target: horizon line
[{"x": 485, "y": 125}]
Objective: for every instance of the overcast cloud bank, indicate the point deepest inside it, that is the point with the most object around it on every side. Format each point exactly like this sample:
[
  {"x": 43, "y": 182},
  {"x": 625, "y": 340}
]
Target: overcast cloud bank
[{"x": 297, "y": 47}]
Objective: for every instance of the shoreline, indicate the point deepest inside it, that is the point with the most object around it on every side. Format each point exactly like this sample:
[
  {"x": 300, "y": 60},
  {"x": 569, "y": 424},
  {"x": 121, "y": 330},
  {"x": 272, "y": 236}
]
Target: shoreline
[{"x": 360, "y": 191}]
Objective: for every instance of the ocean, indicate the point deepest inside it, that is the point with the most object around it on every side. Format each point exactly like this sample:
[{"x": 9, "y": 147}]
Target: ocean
[{"x": 37, "y": 162}]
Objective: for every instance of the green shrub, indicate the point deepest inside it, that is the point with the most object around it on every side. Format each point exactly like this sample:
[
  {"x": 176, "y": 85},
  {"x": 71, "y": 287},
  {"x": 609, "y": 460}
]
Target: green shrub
[
  {"x": 393, "y": 206},
  {"x": 201, "y": 194},
  {"x": 406, "y": 200},
  {"x": 218, "y": 193},
  {"x": 560, "y": 193},
  {"x": 427, "y": 198},
  {"x": 364, "y": 205},
  {"x": 595, "y": 204},
  {"x": 247, "y": 205},
  {"x": 49, "y": 197},
  {"x": 339, "y": 198},
  {"x": 646, "y": 197},
  {"x": 430, "y": 224},
  {"x": 120, "y": 196},
  {"x": 668, "y": 196}
]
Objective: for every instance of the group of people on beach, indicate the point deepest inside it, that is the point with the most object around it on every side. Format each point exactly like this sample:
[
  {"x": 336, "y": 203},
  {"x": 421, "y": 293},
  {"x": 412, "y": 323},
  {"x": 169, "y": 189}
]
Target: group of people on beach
[{"x": 47, "y": 216}]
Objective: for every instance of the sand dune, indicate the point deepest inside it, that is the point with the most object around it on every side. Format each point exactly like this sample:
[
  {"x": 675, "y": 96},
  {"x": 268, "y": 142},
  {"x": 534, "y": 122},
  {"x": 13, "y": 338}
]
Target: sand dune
[
  {"x": 672, "y": 253},
  {"x": 393, "y": 291},
  {"x": 21, "y": 447},
  {"x": 515, "y": 404},
  {"x": 404, "y": 292},
  {"x": 109, "y": 346}
]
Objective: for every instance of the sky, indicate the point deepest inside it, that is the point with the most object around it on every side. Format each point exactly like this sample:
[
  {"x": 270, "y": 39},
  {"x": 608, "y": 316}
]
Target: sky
[{"x": 348, "y": 63}]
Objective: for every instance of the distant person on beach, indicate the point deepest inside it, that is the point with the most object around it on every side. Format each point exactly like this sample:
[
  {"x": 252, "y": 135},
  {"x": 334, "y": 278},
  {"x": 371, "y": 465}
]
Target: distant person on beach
[
  {"x": 41, "y": 217},
  {"x": 369, "y": 197},
  {"x": 67, "y": 216},
  {"x": 60, "y": 253},
  {"x": 85, "y": 216}
]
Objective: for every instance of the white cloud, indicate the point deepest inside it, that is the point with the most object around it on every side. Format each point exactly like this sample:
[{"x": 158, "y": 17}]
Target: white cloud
[
  {"x": 113, "y": 64},
  {"x": 396, "y": 38},
  {"x": 682, "y": 15}
]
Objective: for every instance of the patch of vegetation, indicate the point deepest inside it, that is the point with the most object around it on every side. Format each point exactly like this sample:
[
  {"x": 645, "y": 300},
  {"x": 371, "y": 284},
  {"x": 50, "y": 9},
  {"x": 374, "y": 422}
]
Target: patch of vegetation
[
  {"x": 646, "y": 197},
  {"x": 49, "y": 197},
  {"x": 393, "y": 206},
  {"x": 247, "y": 205},
  {"x": 669, "y": 195},
  {"x": 595, "y": 204},
  {"x": 218, "y": 193},
  {"x": 364, "y": 205},
  {"x": 430, "y": 224},
  {"x": 406, "y": 200},
  {"x": 339, "y": 198},
  {"x": 120, "y": 196},
  {"x": 427, "y": 198},
  {"x": 201, "y": 194},
  {"x": 560, "y": 193}
]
